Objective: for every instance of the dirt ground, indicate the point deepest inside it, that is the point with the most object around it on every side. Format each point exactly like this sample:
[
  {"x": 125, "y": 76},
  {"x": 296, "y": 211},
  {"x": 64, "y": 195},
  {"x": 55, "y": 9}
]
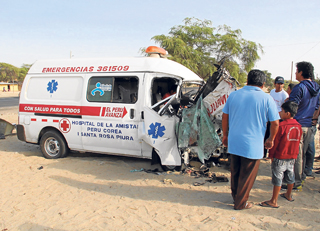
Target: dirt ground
[{"x": 102, "y": 192}]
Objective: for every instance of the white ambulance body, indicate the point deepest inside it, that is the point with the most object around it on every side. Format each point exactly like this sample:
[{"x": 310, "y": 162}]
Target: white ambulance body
[{"x": 99, "y": 105}]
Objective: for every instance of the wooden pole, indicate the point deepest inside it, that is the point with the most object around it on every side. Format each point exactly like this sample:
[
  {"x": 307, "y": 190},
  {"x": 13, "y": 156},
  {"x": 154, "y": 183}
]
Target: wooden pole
[{"x": 291, "y": 71}]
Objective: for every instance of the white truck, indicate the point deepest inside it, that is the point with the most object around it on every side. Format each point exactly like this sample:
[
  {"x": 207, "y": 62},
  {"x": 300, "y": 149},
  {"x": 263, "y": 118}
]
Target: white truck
[{"x": 111, "y": 106}]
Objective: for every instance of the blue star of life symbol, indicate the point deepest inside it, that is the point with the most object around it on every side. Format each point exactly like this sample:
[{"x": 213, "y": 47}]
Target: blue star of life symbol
[
  {"x": 52, "y": 86},
  {"x": 156, "y": 130}
]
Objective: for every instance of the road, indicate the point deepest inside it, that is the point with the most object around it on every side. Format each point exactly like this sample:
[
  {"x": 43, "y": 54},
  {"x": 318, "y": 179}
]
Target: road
[{"x": 9, "y": 102}]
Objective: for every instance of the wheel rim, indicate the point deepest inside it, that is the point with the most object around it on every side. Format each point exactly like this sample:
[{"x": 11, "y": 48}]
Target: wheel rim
[{"x": 52, "y": 146}]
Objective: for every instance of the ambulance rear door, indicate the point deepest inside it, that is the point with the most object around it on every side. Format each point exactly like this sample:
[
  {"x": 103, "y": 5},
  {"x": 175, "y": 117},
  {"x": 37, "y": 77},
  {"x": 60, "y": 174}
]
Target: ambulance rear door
[{"x": 112, "y": 112}]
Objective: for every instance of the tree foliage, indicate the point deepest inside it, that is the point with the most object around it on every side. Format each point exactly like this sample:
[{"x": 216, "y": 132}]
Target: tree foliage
[
  {"x": 197, "y": 45},
  {"x": 269, "y": 81},
  {"x": 10, "y": 73},
  {"x": 23, "y": 71}
]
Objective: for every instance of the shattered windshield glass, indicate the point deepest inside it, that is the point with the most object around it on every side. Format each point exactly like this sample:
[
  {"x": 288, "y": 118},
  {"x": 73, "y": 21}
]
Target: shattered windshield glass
[{"x": 189, "y": 89}]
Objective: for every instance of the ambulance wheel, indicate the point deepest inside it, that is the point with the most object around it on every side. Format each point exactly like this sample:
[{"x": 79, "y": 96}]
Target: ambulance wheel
[{"x": 53, "y": 145}]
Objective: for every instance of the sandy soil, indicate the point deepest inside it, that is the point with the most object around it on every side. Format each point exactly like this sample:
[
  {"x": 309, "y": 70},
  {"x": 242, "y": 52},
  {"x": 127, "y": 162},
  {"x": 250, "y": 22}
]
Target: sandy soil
[{"x": 100, "y": 192}]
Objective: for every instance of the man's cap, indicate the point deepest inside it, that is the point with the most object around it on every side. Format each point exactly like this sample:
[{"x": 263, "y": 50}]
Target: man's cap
[{"x": 279, "y": 79}]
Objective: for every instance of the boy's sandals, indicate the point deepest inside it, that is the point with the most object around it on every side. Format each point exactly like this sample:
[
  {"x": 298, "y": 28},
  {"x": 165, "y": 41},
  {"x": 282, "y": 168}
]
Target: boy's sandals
[
  {"x": 266, "y": 204},
  {"x": 284, "y": 196}
]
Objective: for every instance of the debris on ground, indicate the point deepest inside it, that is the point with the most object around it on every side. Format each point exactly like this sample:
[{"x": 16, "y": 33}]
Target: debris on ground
[
  {"x": 205, "y": 173},
  {"x": 167, "y": 181},
  {"x": 197, "y": 172},
  {"x": 6, "y": 128}
]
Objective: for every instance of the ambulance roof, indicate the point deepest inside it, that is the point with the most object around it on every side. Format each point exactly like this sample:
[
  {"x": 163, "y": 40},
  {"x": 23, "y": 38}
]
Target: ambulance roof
[{"x": 117, "y": 65}]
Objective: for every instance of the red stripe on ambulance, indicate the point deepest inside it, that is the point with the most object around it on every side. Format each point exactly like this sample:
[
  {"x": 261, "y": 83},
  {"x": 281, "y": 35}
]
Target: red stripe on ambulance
[
  {"x": 50, "y": 109},
  {"x": 116, "y": 112},
  {"x": 90, "y": 111}
]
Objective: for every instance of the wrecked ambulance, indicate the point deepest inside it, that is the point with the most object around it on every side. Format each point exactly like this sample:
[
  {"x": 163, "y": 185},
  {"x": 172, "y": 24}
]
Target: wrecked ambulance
[{"x": 117, "y": 106}]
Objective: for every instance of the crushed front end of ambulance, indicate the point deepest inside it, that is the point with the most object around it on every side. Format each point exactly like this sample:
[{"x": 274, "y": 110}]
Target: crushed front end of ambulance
[{"x": 188, "y": 124}]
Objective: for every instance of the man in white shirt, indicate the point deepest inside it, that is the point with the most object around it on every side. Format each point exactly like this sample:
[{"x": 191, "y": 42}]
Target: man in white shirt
[{"x": 278, "y": 94}]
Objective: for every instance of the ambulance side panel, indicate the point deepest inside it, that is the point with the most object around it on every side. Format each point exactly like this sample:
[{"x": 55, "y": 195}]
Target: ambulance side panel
[
  {"x": 72, "y": 105},
  {"x": 51, "y": 101}
]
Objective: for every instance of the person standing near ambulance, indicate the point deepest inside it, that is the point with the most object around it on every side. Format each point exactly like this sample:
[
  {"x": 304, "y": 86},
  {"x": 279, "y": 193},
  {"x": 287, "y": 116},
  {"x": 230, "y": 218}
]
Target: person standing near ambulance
[
  {"x": 244, "y": 120},
  {"x": 278, "y": 94},
  {"x": 306, "y": 95}
]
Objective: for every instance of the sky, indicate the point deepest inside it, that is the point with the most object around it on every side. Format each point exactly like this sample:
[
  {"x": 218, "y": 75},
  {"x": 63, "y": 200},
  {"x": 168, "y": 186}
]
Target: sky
[{"x": 288, "y": 30}]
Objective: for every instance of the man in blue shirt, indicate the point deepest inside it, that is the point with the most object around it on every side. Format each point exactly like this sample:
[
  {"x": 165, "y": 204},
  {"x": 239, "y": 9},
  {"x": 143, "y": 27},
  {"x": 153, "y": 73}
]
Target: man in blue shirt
[
  {"x": 244, "y": 121},
  {"x": 306, "y": 95}
]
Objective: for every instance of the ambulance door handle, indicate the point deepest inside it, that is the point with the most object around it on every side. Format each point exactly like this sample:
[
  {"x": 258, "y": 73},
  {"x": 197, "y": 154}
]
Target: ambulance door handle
[
  {"x": 142, "y": 115},
  {"x": 131, "y": 113}
]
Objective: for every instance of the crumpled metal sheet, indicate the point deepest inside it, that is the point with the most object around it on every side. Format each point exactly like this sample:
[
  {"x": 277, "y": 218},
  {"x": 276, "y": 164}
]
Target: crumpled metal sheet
[
  {"x": 197, "y": 128},
  {"x": 159, "y": 132},
  {"x": 6, "y": 128},
  {"x": 186, "y": 134},
  {"x": 215, "y": 100}
]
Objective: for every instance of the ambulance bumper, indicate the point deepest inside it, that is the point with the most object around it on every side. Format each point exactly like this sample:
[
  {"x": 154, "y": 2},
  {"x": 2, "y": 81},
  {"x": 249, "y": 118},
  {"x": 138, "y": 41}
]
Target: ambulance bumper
[{"x": 20, "y": 133}]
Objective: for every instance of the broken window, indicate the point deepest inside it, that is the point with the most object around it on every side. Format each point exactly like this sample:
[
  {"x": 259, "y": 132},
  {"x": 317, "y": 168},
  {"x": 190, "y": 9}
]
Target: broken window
[
  {"x": 162, "y": 88},
  {"x": 189, "y": 89},
  {"x": 113, "y": 89}
]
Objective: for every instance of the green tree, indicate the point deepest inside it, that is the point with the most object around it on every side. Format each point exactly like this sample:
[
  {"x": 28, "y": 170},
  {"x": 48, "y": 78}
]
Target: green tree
[
  {"x": 269, "y": 81},
  {"x": 197, "y": 45},
  {"x": 23, "y": 72},
  {"x": 10, "y": 73}
]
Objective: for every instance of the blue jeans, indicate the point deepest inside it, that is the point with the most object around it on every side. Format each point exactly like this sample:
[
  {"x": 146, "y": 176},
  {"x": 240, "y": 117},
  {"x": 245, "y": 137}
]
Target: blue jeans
[{"x": 310, "y": 153}]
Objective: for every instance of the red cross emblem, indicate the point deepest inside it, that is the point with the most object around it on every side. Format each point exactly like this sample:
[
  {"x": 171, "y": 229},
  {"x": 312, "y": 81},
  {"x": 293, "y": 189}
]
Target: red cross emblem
[{"x": 64, "y": 125}]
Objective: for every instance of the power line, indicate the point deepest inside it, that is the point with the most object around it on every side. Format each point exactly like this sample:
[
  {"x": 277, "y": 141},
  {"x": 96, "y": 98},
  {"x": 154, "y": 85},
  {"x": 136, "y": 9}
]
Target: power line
[{"x": 308, "y": 51}]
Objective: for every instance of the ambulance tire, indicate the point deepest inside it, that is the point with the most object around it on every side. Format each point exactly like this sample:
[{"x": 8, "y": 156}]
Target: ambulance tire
[
  {"x": 53, "y": 145},
  {"x": 170, "y": 168},
  {"x": 156, "y": 160}
]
